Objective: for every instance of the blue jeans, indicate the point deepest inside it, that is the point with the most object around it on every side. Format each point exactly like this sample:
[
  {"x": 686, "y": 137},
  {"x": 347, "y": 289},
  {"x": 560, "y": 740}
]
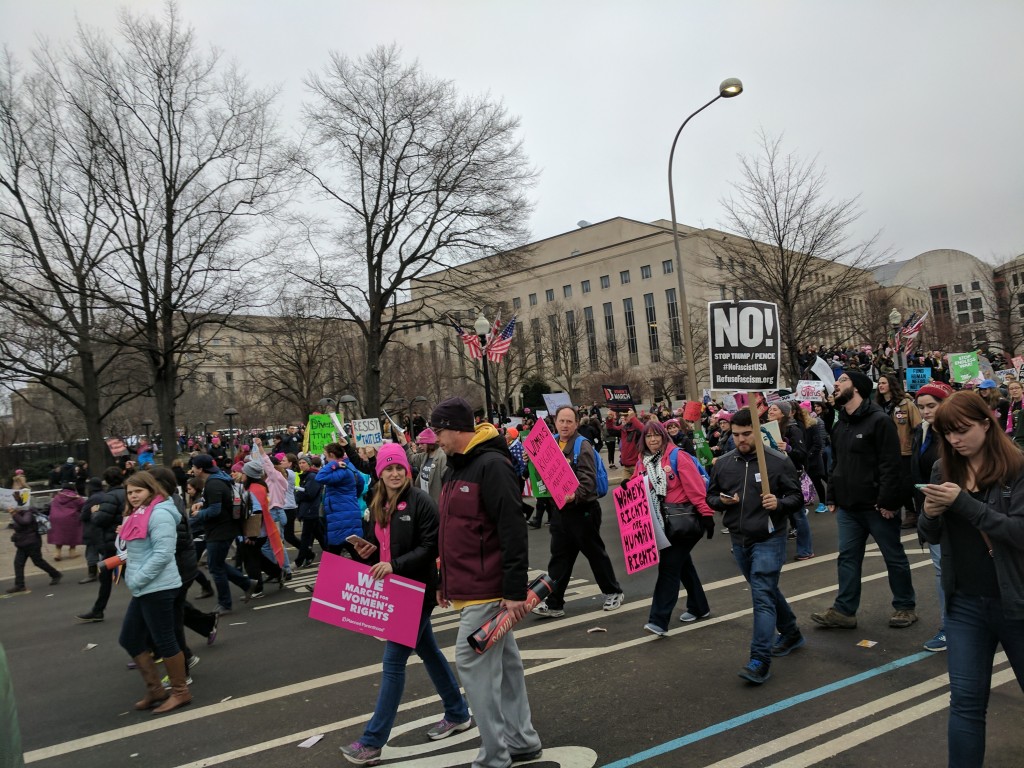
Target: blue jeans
[
  {"x": 804, "y": 544},
  {"x": 280, "y": 517},
  {"x": 974, "y": 625},
  {"x": 936, "y": 553},
  {"x": 674, "y": 566},
  {"x": 393, "y": 684},
  {"x": 222, "y": 571},
  {"x": 150, "y": 617},
  {"x": 854, "y": 528},
  {"x": 761, "y": 565}
]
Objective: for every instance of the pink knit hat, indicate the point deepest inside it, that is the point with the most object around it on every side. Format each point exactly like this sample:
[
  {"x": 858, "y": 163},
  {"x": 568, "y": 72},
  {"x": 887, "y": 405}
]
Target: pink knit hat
[
  {"x": 392, "y": 453},
  {"x": 427, "y": 437}
]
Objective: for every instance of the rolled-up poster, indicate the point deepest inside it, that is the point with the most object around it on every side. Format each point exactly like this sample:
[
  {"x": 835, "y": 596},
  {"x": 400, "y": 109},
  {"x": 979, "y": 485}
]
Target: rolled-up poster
[{"x": 496, "y": 627}]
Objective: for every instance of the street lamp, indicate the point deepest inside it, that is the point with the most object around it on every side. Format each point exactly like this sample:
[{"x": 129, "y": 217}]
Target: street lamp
[
  {"x": 147, "y": 423},
  {"x": 412, "y": 423},
  {"x": 481, "y": 325},
  {"x": 726, "y": 90},
  {"x": 230, "y": 413},
  {"x": 895, "y": 318}
]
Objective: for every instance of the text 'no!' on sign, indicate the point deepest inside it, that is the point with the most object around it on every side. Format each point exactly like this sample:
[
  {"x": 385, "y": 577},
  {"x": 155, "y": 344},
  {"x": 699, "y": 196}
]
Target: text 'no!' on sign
[{"x": 744, "y": 342}]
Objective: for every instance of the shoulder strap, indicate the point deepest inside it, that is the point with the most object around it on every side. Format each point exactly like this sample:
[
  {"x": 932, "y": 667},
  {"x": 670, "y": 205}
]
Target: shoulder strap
[
  {"x": 576, "y": 448},
  {"x": 673, "y": 458}
]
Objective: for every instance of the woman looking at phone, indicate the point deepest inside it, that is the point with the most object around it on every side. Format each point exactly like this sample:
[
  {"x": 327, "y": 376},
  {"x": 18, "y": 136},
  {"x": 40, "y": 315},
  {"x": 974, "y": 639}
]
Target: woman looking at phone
[
  {"x": 974, "y": 507},
  {"x": 401, "y": 538}
]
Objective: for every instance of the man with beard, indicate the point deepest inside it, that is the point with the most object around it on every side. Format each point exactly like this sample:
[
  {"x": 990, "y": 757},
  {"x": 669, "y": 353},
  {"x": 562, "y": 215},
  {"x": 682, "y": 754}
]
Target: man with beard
[{"x": 864, "y": 489}]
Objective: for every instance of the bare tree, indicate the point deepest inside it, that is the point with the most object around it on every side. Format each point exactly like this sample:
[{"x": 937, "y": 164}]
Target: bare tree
[
  {"x": 418, "y": 180},
  {"x": 792, "y": 244},
  {"x": 191, "y": 162}
]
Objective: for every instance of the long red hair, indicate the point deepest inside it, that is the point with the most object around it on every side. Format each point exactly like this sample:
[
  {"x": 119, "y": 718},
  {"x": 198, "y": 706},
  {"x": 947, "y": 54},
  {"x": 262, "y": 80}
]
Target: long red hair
[{"x": 1002, "y": 462}]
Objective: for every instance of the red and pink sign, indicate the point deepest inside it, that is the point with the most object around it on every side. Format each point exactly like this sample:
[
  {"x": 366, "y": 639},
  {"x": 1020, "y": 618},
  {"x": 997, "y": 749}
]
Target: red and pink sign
[
  {"x": 347, "y": 596},
  {"x": 636, "y": 527},
  {"x": 550, "y": 462}
]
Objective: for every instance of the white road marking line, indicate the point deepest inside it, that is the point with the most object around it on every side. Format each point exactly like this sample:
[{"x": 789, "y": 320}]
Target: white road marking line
[
  {"x": 540, "y": 626},
  {"x": 872, "y": 709}
]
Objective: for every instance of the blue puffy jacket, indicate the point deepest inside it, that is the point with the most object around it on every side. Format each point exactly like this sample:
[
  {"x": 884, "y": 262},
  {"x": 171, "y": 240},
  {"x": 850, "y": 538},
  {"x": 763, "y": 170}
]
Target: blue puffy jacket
[{"x": 342, "y": 488}]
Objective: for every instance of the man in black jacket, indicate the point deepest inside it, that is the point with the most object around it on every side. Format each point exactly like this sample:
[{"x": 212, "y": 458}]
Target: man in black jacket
[
  {"x": 757, "y": 525},
  {"x": 864, "y": 488},
  {"x": 105, "y": 516}
]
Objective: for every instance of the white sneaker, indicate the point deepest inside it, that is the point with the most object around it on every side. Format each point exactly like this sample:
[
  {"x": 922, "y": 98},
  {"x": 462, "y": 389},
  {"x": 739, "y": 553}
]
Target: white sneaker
[
  {"x": 613, "y": 602},
  {"x": 543, "y": 611},
  {"x": 688, "y": 617},
  {"x": 654, "y": 629}
]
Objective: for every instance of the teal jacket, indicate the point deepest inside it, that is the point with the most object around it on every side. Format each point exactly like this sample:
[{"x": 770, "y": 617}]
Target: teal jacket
[{"x": 151, "y": 564}]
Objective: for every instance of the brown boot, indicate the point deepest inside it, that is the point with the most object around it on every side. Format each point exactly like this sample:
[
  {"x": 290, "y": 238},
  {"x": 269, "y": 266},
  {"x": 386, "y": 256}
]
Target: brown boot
[
  {"x": 178, "y": 674},
  {"x": 155, "y": 692}
]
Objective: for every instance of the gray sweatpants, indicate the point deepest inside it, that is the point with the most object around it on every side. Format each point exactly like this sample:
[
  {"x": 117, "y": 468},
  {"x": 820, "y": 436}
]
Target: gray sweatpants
[{"x": 496, "y": 688}]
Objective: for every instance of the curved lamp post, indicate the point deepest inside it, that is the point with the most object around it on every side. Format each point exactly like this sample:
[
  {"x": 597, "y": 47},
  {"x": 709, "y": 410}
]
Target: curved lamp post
[
  {"x": 727, "y": 89},
  {"x": 895, "y": 318},
  {"x": 230, "y": 413}
]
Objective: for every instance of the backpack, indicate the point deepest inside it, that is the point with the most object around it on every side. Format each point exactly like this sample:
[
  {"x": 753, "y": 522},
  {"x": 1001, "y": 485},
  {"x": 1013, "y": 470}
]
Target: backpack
[
  {"x": 602, "y": 473},
  {"x": 673, "y": 459},
  {"x": 42, "y": 523}
]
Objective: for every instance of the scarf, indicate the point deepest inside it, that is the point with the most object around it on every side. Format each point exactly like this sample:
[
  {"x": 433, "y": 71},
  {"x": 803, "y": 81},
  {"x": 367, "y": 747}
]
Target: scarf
[
  {"x": 656, "y": 478},
  {"x": 136, "y": 525}
]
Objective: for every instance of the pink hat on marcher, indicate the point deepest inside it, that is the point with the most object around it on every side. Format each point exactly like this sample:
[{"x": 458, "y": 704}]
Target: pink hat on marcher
[
  {"x": 427, "y": 437},
  {"x": 392, "y": 453}
]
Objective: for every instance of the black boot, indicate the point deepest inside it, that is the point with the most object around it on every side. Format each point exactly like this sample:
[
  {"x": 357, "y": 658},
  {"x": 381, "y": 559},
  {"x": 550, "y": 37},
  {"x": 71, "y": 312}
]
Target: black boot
[{"x": 93, "y": 575}]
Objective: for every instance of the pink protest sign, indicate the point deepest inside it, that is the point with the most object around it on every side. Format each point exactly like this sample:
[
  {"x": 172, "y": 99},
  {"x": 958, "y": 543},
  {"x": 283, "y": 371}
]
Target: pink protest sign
[
  {"x": 347, "y": 596},
  {"x": 635, "y": 525},
  {"x": 550, "y": 462}
]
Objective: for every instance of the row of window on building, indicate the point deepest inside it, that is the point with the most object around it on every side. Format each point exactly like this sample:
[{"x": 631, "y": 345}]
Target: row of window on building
[{"x": 667, "y": 268}]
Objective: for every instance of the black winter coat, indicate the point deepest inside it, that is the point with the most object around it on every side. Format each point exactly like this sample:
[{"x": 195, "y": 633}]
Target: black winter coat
[
  {"x": 748, "y": 521},
  {"x": 413, "y": 540},
  {"x": 307, "y": 495},
  {"x": 866, "y": 464},
  {"x": 106, "y": 519}
]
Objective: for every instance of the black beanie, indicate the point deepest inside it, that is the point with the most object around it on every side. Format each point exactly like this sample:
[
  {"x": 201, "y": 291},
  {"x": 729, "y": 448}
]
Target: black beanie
[
  {"x": 861, "y": 383},
  {"x": 453, "y": 413}
]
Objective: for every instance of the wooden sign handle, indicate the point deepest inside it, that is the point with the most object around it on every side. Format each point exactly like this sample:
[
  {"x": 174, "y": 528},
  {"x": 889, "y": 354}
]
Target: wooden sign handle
[{"x": 762, "y": 465}]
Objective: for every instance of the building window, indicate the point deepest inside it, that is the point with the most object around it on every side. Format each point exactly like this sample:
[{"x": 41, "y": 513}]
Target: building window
[
  {"x": 538, "y": 347},
  {"x": 721, "y": 292},
  {"x": 609, "y": 335},
  {"x": 211, "y": 379},
  {"x": 516, "y": 303},
  {"x": 229, "y": 378},
  {"x": 567, "y": 291},
  {"x": 673, "y": 319},
  {"x": 652, "y": 327},
  {"x": 533, "y": 299},
  {"x": 556, "y": 358},
  {"x": 981, "y": 335},
  {"x": 667, "y": 267},
  {"x": 963, "y": 318},
  {"x": 975, "y": 304},
  {"x": 718, "y": 262},
  {"x": 961, "y": 305},
  {"x": 634, "y": 357},
  {"x": 978, "y": 317},
  {"x": 1014, "y": 279},
  {"x": 645, "y": 272},
  {"x": 549, "y": 294},
  {"x": 1021, "y": 311},
  {"x": 606, "y": 281},
  {"x": 624, "y": 277},
  {"x": 571, "y": 339},
  {"x": 958, "y": 288},
  {"x": 591, "y": 331},
  {"x": 975, "y": 285},
  {"x": 940, "y": 299},
  {"x": 585, "y": 286}
]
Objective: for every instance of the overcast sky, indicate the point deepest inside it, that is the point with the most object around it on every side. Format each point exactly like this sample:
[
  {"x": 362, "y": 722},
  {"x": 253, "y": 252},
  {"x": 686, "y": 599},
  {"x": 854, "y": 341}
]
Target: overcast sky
[{"x": 918, "y": 107}]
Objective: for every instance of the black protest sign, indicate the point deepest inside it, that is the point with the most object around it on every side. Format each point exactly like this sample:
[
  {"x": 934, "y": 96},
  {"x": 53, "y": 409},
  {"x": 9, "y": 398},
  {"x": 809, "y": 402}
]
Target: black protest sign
[
  {"x": 744, "y": 343},
  {"x": 617, "y": 395}
]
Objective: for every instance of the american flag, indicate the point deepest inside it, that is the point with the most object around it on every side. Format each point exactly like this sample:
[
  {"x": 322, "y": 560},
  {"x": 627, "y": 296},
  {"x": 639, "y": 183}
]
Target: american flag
[
  {"x": 471, "y": 340},
  {"x": 499, "y": 344},
  {"x": 909, "y": 331}
]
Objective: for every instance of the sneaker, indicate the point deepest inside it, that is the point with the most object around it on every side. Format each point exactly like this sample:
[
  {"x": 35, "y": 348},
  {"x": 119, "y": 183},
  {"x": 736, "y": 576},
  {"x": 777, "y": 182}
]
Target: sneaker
[
  {"x": 792, "y": 533},
  {"x": 654, "y": 629},
  {"x": 220, "y": 610},
  {"x": 165, "y": 681},
  {"x": 87, "y": 580},
  {"x": 56, "y": 579},
  {"x": 522, "y": 757},
  {"x": 725, "y": 531},
  {"x": 783, "y": 645},
  {"x": 756, "y": 671},
  {"x": 821, "y": 508},
  {"x": 613, "y": 602},
  {"x": 544, "y": 612},
  {"x": 257, "y": 595},
  {"x": 16, "y": 589},
  {"x": 361, "y": 755},
  {"x": 91, "y": 616},
  {"x": 937, "y": 643},
  {"x": 446, "y": 728},
  {"x": 192, "y": 661},
  {"x": 833, "y": 619},
  {"x": 902, "y": 619},
  {"x": 210, "y": 638},
  {"x": 798, "y": 558},
  {"x": 689, "y": 618},
  {"x": 205, "y": 594}
]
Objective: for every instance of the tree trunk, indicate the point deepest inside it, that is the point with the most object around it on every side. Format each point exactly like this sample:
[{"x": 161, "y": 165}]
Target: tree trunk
[
  {"x": 91, "y": 413},
  {"x": 371, "y": 379}
]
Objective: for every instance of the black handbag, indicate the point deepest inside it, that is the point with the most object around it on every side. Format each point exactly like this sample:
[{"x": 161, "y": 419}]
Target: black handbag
[{"x": 682, "y": 522}]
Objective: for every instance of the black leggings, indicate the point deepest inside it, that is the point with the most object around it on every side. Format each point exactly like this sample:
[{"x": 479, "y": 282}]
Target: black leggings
[{"x": 256, "y": 564}]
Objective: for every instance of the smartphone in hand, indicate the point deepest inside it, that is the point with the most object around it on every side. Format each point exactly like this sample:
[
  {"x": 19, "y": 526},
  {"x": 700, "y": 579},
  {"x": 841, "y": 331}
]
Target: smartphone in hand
[{"x": 358, "y": 541}]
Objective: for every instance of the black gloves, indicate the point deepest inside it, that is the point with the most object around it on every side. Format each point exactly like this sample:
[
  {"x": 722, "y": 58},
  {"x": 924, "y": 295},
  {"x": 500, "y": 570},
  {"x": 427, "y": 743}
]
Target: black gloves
[{"x": 708, "y": 522}]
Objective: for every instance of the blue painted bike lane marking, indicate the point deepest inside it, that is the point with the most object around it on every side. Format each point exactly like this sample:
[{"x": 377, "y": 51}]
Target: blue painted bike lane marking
[{"x": 771, "y": 709}]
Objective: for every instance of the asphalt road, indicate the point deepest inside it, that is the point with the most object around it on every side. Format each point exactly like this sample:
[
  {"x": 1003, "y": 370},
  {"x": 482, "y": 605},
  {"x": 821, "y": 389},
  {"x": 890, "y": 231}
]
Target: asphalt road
[{"x": 616, "y": 697}]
